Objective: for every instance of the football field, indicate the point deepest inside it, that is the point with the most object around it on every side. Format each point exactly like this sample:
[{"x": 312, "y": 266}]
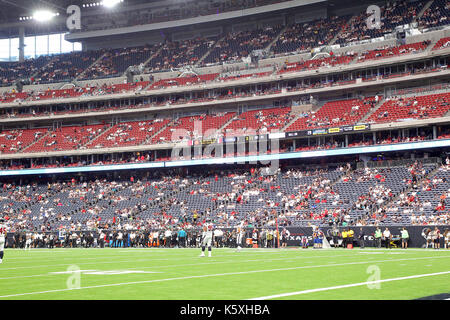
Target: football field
[{"x": 180, "y": 274}]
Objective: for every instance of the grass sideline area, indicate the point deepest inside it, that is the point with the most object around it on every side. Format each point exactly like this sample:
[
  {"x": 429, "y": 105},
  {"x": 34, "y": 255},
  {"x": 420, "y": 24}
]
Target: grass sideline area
[{"x": 180, "y": 274}]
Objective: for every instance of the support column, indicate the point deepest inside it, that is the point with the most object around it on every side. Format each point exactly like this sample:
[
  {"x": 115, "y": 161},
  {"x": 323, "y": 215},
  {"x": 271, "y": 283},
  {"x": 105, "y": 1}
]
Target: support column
[{"x": 21, "y": 44}]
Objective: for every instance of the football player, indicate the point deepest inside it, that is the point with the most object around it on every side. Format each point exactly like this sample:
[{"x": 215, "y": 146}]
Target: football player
[
  {"x": 2, "y": 238},
  {"x": 29, "y": 235},
  {"x": 207, "y": 238},
  {"x": 240, "y": 233}
]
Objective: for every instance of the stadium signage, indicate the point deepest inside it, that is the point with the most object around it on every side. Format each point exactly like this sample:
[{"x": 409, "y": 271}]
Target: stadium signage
[
  {"x": 318, "y": 132},
  {"x": 252, "y": 138},
  {"x": 231, "y": 139},
  {"x": 361, "y": 127},
  {"x": 334, "y": 130},
  {"x": 326, "y": 131},
  {"x": 238, "y": 159},
  {"x": 347, "y": 128}
]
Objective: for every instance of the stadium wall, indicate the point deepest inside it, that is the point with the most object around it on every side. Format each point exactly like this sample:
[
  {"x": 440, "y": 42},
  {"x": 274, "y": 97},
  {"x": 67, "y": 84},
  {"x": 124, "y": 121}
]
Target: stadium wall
[
  {"x": 417, "y": 237},
  {"x": 416, "y": 233}
]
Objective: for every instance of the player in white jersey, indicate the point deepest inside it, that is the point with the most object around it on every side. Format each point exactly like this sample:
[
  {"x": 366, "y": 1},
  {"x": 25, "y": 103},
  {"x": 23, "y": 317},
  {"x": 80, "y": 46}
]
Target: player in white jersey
[
  {"x": 28, "y": 237},
  {"x": 240, "y": 232},
  {"x": 2, "y": 239},
  {"x": 207, "y": 238}
]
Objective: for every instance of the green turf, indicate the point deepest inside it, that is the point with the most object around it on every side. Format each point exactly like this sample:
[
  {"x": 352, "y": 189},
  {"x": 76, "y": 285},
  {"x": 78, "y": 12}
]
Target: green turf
[{"x": 253, "y": 273}]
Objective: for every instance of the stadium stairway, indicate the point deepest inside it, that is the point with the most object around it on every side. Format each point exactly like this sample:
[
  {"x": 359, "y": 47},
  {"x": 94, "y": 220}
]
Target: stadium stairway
[
  {"x": 35, "y": 201},
  {"x": 167, "y": 199},
  {"x": 333, "y": 41},
  {"x": 148, "y": 140},
  {"x": 34, "y": 75},
  {"x": 98, "y": 135},
  {"x": 275, "y": 39},
  {"x": 208, "y": 52},
  {"x": 290, "y": 122},
  {"x": 80, "y": 76},
  {"x": 226, "y": 123},
  {"x": 408, "y": 189},
  {"x": 148, "y": 60},
  {"x": 96, "y": 200},
  {"x": 376, "y": 107},
  {"x": 420, "y": 14},
  {"x": 433, "y": 44},
  {"x": 36, "y": 141},
  {"x": 219, "y": 205}
]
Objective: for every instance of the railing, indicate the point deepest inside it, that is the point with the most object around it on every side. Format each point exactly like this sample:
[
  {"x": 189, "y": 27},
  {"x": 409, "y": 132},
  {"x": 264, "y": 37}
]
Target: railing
[
  {"x": 397, "y": 163},
  {"x": 420, "y": 89}
]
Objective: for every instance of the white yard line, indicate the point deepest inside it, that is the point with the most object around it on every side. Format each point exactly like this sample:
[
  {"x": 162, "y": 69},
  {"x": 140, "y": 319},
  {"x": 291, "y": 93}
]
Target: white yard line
[
  {"x": 289, "y": 294},
  {"x": 212, "y": 275},
  {"x": 187, "y": 257},
  {"x": 170, "y": 265}
]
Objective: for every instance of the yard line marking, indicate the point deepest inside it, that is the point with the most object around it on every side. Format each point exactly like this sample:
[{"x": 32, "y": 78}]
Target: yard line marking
[
  {"x": 152, "y": 259},
  {"x": 207, "y": 276},
  {"x": 119, "y": 255},
  {"x": 183, "y": 265},
  {"x": 196, "y": 257},
  {"x": 348, "y": 286}
]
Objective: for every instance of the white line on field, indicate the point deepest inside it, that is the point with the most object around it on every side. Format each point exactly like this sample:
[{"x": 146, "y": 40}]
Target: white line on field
[
  {"x": 177, "y": 265},
  {"x": 348, "y": 286},
  {"x": 209, "y": 275},
  {"x": 153, "y": 259}
]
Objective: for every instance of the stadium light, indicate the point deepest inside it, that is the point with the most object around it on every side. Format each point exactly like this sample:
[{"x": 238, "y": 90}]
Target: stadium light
[
  {"x": 43, "y": 15},
  {"x": 111, "y": 3}
]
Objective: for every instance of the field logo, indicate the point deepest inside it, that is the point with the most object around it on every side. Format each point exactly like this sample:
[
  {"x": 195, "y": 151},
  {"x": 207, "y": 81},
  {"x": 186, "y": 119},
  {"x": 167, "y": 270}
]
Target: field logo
[
  {"x": 375, "y": 276},
  {"x": 74, "y": 280},
  {"x": 374, "y": 20}
]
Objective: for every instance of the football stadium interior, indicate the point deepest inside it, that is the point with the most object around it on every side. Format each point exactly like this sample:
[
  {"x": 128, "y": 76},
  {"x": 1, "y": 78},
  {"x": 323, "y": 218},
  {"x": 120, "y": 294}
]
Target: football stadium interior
[{"x": 135, "y": 127}]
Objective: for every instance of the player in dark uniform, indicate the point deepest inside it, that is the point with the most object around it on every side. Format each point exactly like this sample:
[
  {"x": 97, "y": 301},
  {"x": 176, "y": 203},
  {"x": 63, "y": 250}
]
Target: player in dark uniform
[{"x": 2, "y": 238}]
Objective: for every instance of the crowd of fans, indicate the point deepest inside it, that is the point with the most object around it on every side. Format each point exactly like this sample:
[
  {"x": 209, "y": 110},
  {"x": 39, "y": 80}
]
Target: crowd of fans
[
  {"x": 176, "y": 200},
  {"x": 232, "y": 47},
  {"x": 302, "y": 37},
  {"x": 393, "y": 14},
  {"x": 436, "y": 15},
  {"x": 263, "y": 121}
]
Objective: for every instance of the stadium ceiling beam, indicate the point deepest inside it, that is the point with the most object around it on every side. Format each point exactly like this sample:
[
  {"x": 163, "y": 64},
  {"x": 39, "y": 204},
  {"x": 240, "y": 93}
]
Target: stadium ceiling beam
[
  {"x": 52, "y": 4},
  {"x": 14, "y": 4}
]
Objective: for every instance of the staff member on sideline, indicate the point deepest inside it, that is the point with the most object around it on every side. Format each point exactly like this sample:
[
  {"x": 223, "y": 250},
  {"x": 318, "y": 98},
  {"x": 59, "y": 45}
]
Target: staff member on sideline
[
  {"x": 378, "y": 237},
  {"x": 344, "y": 238},
  {"x": 405, "y": 238},
  {"x": 361, "y": 238},
  {"x": 387, "y": 238},
  {"x": 350, "y": 234}
]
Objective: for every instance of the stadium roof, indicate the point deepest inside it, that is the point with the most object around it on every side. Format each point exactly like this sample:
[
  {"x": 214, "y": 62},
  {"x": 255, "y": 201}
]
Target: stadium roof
[{"x": 12, "y": 10}]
